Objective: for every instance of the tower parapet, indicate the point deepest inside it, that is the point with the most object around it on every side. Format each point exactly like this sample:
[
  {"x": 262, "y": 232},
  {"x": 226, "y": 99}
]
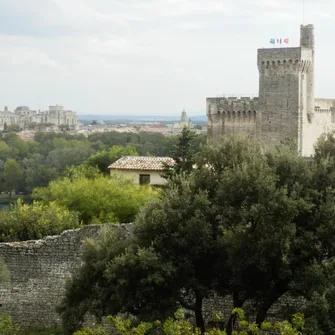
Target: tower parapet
[
  {"x": 227, "y": 116},
  {"x": 231, "y": 105},
  {"x": 307, "y": 36}
]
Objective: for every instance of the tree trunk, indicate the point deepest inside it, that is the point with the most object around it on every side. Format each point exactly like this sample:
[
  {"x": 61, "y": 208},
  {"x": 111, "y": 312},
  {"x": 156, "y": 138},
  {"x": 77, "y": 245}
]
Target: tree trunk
[
  {"x": 237, "y": 303},
  {"x": 265, "y": 306},
  {"x": 198, "y": 313}
]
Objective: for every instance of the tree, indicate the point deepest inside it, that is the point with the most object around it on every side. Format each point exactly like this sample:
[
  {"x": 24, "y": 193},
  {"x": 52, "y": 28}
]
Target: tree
[
  {"x": 5, "y": 151},
  {"x": 61, "y": 158},
  {"x": 13, "y": 175},
  {"x": 97, "y": 200},
  {"x": 103, "y": 159},
  {"x": 37, "y": 172},
  {"x": 19, "y": 148},
  {"x": 13, "y": 128},
  {"x": 183, "y": 154},
  {"x": 242, "y": 223}
]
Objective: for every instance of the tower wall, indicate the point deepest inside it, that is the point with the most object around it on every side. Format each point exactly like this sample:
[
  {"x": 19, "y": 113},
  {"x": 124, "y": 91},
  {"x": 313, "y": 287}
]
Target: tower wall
[
  {"x": 279, "y": 94},
  {"x": 313, "y": 124},
  {"x": 307, "y": 51},
  {"x": 228, "y": 116}
]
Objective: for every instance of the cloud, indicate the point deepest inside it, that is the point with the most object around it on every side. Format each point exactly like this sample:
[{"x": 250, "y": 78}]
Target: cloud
[
  {"x": 154, "y": 56},
  {"x": 20, "y": 52}
]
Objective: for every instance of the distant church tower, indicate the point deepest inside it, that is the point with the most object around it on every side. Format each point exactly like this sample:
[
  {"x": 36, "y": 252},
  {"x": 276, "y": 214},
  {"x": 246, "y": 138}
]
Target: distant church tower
[
  {"x": 285, "y": 108},
  {"x": 183, "y": 117}
]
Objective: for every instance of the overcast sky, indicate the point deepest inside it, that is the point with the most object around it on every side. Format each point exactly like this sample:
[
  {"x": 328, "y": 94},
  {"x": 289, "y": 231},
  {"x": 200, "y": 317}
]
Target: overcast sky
[{"x": 148, "y": 56}]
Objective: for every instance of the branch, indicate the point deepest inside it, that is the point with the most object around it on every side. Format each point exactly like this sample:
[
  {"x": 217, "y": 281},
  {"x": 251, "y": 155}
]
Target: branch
[{"x": 186, "y": 305}]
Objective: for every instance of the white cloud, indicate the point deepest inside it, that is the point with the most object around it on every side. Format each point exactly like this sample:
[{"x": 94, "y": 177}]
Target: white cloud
[
  {"x": 18, "y": 51},
  {"x": 149, "y": 56}
]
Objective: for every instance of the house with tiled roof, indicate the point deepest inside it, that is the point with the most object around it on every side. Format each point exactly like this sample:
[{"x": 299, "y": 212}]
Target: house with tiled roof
[{"x": 141, "y": 169}]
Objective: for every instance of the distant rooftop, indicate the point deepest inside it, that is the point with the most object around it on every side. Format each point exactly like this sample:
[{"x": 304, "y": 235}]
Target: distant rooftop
[{"x": 141, "y": 163}]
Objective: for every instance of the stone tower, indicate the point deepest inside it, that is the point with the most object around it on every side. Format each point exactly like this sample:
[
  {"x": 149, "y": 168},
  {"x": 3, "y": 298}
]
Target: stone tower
[
  {"x": 286, "y": 91},
  {"x": 285, "y": 108}
]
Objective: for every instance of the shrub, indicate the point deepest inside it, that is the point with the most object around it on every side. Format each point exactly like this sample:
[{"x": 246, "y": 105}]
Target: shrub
[
  {"x": 25, "y": 222},
  {"x": 97, "y": 200},
  {"x": 179, "y": 326}
]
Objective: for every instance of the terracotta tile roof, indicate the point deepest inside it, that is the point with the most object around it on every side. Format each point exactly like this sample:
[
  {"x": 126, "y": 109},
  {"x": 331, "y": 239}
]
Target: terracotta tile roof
[{"x": 141, "y": 163}]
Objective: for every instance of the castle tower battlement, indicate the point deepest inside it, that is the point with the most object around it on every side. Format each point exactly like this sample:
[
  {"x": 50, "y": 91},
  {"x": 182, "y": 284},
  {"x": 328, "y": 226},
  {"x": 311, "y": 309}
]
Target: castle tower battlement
[
  {"x": 231, "y": 115},
  {"x": 231, "y": 104},
  {"x": 285, "y": 107}
]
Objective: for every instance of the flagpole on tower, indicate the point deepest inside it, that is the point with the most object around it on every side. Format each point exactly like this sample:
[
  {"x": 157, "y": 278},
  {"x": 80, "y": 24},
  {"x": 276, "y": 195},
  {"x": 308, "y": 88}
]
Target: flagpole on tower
[{"x": 303, "y": 11}]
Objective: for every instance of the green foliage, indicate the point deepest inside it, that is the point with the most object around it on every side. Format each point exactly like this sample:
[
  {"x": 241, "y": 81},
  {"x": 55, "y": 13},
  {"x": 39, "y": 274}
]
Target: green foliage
[
  {"x": 88, "y": 331},
  {"x": 103, "y": 159},
  {"x": 25, "y": 222},
  {"x": 242, "y": 223},
  {"x": 37, "y": 172},
  {"x": 5, "y": 151},
  {"x": 97, "y": 200},
  {"x": 177, "y": 325},
  {"x": 183, "y": 154},
  {"x": 7, "y": 326},
  {"x": 13, "y": 128},
  {"x": 13, "y": 175},
  {"x": 50, "y": 155},
  {"x": 145, "y": 142},
  {"x": 80, "y": 297}
]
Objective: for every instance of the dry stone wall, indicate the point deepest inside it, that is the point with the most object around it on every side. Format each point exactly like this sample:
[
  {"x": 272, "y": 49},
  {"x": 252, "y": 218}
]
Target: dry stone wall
[{"x": 39, "y": 270}]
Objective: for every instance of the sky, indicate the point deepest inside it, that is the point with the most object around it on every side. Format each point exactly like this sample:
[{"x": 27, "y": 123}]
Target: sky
[{"x": 148, "y": 56}]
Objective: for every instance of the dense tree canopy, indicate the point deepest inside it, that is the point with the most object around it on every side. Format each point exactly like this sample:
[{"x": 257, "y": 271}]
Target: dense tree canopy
[
  {"x": 12, "y": 175},
  {"x": 50, "y": 154},
  {"x": 243, "y": 223},
  {"x": 103, "y": 159},
  {"x": 184, "y": 154}
]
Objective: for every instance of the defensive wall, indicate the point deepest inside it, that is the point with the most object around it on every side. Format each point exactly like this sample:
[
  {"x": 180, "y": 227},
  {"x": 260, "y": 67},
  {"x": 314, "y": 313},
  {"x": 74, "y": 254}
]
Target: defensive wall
[
  {"x": 228, "y": 116},
  {"x": 39, "y": 270}
]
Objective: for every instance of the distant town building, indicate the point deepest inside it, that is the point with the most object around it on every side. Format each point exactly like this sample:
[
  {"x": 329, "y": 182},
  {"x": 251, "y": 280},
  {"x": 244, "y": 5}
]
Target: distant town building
[
  {"x": 141, "y": 169},
  {"x": 184, "y": 120},
  {"x": 24, "y": 117}
]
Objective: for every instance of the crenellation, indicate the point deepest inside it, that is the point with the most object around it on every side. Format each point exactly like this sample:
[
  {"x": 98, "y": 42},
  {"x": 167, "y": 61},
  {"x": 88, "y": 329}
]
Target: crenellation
[{"x": 232, "y": 104}]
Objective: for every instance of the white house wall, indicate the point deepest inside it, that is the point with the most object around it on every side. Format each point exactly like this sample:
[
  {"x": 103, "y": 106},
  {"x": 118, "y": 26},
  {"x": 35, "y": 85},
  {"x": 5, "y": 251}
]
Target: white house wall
[{"x": 134, "y": 175}]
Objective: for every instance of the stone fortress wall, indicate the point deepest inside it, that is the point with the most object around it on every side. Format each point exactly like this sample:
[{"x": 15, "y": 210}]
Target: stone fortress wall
[
  {"x": 231, "y": 115},
  {"x": 286, "y": 107},
  {"x": 38, "y": 271}
]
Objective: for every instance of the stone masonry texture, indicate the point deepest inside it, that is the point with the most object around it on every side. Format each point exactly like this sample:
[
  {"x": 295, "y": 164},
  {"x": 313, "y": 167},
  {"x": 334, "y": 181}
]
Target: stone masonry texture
[{"x": 38, "y": 271}]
